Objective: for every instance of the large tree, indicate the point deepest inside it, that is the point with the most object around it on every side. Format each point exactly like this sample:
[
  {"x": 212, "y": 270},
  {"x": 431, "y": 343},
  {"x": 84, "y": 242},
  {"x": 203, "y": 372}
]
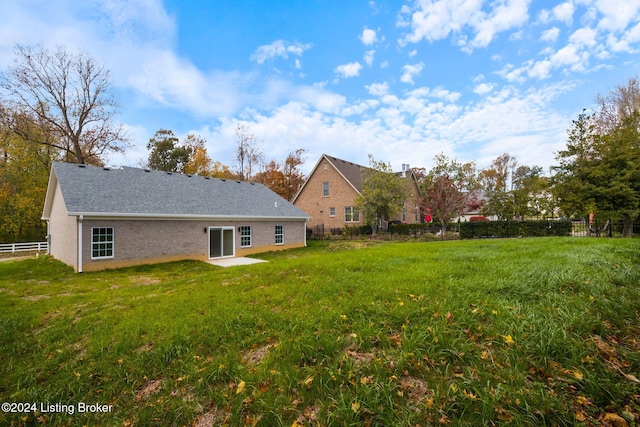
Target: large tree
[
  {"x": 444, "y": 200},
  {"x": 600, "y": 173},
  {"x": 382, "y": 193},
  {"x": 248, "y": 153},
  {"x": 69, "y": 95},
  {"x": 617, "y": 106},
  {"x": 24, "y": 174},
  {"x": 284, "y": 178},
  {"x": 166, "y": 153},
  {"x": 449, "y": 187},
  {"x": 530, "y": 193},
  {"x": 199, "y": 162},
  {"x": 496, "y": 183}
]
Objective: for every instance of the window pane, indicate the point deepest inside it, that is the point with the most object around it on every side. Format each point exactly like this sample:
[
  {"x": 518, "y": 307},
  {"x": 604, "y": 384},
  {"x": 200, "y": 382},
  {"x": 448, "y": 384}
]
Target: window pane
[{"x": 102, "y": 242}]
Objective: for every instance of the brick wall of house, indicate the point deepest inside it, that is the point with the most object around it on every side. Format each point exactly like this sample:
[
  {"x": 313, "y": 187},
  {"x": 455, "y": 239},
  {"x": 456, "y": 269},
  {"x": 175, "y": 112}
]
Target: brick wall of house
[
  {"x": 312, "y": 201},
  {"x": 412, "y": 204},
  {"x": 151, "y": 241}
]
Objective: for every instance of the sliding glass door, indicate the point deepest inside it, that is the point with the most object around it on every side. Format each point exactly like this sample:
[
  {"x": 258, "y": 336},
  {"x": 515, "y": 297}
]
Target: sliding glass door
[{"x": 221, "y": 242}]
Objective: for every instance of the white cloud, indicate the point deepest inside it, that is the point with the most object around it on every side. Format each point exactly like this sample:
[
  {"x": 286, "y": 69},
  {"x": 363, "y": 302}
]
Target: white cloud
[
  {"x": 564, "y": 12},
  {"x": 278, "y": 48},
  {"x": 550, "y": 35},
  {"x": 584, "y": 37},
  {"x": 540, "y": 70},
  {"x": 178, "y": 84},
  {"x": 505, "y": 16},
  {"x": 411, "y": 71},
  {"x": 368, "y": 36},
  {"x": 617, "y": 15},
  {"x": 378, "y": 89},
  {"x": 351, "y": 69},
  {"x": 368, "y": 57},
  {"x": 436, "y": 20},
  {"x": 413, "y": 126},
  {"x": 483, "y": 88}
]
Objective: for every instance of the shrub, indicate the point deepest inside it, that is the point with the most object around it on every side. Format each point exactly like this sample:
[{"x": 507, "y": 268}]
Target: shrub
[{"x": 476, "y": 229}]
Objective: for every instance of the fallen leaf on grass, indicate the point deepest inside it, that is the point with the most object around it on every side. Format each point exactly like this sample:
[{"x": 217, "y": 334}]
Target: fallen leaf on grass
[
  {"x": 150, "y": 388},
  {"x": 241, "y": 386},
  {"x": 615, "y": 420}
]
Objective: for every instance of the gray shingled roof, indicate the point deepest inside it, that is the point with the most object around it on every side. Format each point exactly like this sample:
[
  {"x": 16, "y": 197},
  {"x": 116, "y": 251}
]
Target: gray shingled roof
[
  {"x": 122, "y": 191},
  {"x": 351, "y": 171}
]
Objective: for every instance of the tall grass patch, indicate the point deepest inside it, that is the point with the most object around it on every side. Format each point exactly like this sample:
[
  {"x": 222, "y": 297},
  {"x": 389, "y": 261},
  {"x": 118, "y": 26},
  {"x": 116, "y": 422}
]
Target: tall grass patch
[{"x": 529, "y": 332}]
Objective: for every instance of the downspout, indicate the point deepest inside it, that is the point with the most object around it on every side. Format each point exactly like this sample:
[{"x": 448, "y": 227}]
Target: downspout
[
  {"x": 304, "y": 232},
  {"x": 48, "y": 238},
  {"x": 80, "y": 218}
]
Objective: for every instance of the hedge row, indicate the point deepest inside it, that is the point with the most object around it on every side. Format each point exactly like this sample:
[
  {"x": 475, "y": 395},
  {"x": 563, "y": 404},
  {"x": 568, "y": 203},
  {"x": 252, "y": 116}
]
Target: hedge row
[
  {"x": 477, "y": 229},
  {"x": 472, "y": 230},
  {"x": 409, "y": 229}
]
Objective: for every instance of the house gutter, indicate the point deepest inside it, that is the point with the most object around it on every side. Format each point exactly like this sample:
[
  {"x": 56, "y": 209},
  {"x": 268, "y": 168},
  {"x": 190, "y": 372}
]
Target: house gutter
[
  {"x": 80, "y": 218},
  {"x": 109, "y": 215}
]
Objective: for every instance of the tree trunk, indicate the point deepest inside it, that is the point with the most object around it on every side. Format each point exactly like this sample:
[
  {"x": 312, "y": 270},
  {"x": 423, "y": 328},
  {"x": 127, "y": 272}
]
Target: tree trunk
[{"x": 627, "y": 227}]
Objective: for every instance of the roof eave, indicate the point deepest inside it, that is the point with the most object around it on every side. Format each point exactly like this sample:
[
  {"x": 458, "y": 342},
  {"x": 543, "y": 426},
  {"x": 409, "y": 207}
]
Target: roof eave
[{"x": 184, "y": 217}]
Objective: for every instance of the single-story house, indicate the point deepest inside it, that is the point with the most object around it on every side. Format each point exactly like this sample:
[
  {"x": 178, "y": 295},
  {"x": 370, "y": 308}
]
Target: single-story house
[{"x": 114, "y": 217}]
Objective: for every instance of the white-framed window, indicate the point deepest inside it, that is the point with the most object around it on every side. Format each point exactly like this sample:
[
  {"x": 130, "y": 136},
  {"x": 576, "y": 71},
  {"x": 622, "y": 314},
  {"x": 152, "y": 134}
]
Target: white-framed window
[
  {"x": 332, "y": 212},
  {"x": 245, "y": 236},
  {"x": 279, "y": 234},
  {"x": 325, "y": 189},
  {"x": 351, "y": 214},
  {"x": 101, "y": 242}
]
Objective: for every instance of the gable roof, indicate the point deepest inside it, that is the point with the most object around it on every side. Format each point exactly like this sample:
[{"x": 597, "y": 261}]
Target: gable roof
[
  {"x": 351, "y": 172},
  {"x": 133, "y": 192}
]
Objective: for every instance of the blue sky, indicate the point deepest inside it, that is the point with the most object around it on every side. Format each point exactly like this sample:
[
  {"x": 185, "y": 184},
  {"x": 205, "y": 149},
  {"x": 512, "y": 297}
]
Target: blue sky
[{"x": 402, "y": 80}]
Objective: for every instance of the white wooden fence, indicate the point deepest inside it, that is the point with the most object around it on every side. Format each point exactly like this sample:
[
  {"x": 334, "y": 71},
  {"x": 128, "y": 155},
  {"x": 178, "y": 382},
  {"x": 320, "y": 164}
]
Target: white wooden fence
[{"x": 23, "y": 247}]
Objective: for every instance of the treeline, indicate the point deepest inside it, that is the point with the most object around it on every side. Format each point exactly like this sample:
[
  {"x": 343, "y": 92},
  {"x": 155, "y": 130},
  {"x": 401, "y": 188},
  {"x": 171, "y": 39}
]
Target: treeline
[{"x": 168, "y": 153}]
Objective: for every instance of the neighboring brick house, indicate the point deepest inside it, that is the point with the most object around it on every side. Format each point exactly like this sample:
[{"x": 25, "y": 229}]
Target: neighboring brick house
[
  {"x": 105, "y": 218},
  {"x": 329, "y": 193}
]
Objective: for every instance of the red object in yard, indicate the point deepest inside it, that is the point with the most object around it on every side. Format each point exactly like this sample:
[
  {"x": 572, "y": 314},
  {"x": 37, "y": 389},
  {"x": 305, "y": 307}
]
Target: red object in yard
[{"x": 427, "y": 217}]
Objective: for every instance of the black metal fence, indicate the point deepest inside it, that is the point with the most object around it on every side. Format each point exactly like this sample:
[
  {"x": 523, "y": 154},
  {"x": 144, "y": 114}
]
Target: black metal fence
[
  {"x": 480, "y": 229},
  {"x": 483, "y": 229},
  {"x": 607, "y": 228}
]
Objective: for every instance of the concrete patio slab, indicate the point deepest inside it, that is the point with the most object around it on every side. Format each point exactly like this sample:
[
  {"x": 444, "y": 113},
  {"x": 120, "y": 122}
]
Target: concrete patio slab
[{"x": 231, "y": 262}]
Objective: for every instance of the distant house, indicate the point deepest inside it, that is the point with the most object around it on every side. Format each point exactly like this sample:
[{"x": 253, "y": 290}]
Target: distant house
[
  {"x": 113, "y": 217},
  {"x": 329, "y": 193}
]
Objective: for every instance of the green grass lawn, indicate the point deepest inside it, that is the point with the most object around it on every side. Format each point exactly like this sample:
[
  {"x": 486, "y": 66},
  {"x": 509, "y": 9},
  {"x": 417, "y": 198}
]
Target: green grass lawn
[{"x": 487, "y": 332}]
